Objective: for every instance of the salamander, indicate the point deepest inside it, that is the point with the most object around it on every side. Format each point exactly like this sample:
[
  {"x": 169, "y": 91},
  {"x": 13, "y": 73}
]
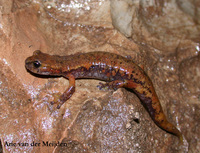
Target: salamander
[{"x": 116, "y": 70}]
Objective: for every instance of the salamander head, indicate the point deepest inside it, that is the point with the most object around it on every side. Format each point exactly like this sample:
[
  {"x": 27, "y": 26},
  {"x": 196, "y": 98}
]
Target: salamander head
[{"x": 43, "y": 64}]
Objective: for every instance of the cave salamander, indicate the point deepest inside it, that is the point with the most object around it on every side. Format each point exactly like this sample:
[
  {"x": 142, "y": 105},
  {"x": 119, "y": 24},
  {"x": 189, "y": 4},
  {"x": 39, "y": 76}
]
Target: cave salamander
[{"x": 116, "y": 70}]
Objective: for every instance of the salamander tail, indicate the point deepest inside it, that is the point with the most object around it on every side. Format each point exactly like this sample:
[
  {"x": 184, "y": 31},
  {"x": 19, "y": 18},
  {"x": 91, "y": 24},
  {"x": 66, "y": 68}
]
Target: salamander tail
[{"x": 172, "y": 129}]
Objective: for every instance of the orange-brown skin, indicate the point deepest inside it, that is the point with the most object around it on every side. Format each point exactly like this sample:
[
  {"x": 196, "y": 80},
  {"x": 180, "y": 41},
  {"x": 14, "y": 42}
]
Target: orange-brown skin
[{"x": 116, "y": 70}]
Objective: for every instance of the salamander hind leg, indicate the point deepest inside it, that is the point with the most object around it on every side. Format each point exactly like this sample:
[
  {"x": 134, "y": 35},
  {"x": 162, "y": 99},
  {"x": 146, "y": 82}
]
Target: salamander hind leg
[
  {"x": 67, "y": 94},
  {"x": 112, "y": 85}
]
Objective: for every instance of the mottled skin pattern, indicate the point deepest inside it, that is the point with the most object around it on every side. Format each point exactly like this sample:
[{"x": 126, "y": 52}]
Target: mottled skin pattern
[{"x": 116, "y": 70}]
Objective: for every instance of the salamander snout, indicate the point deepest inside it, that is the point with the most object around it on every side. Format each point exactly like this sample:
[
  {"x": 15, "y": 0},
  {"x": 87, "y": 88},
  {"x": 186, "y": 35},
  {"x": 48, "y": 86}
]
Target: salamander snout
[{"x": 38, "y": 65}]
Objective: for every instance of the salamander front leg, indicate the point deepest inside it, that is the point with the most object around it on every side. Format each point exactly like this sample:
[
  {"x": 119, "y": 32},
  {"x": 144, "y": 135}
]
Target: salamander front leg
[
  {"x": 112, "y": 85},
  {"x": 67, "y": 94}
]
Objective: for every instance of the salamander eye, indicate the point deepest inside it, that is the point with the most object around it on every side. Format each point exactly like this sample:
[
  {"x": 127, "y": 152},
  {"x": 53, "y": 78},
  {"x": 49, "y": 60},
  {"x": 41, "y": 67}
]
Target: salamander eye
[{"x": 36, "y": 64}]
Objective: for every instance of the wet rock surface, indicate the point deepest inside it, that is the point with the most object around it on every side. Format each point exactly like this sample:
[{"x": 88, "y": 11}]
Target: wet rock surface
[{"x": 163, "y": 38}]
